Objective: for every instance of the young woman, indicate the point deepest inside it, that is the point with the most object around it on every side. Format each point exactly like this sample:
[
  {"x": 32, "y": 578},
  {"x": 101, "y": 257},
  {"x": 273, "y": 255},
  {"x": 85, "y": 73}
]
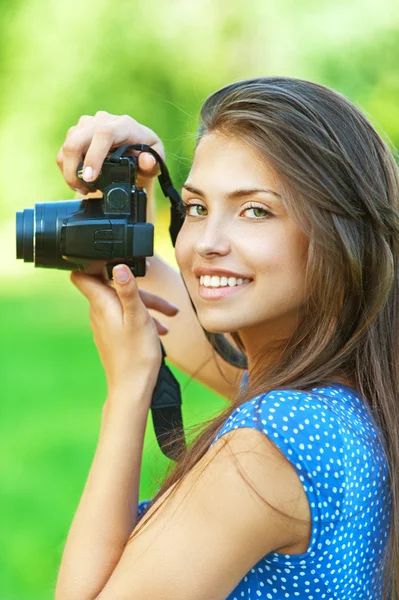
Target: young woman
[{"x": 289, "y": 247}]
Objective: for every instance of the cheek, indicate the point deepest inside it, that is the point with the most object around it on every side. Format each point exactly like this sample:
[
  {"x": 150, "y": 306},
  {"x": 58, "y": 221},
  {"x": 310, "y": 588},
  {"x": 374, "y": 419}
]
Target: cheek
[
  {"x": 281, "y": 257},
  {"x": 183, "y": 252},
  {"x": 289, "y": 264}
]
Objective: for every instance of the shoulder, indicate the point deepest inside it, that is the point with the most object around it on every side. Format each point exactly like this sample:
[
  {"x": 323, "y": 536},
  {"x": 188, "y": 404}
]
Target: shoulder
[
  {"x": 310, "y": 434},
  {"x": 250, "y": 469},
  {"x": 245, "y": 490},
  {"x": 288, "y": 415}
]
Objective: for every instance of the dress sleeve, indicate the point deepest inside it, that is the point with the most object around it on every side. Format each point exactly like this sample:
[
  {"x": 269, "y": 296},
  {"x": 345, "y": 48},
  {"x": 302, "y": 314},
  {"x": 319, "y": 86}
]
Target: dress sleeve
[
  {"x": 142, "y": 507},
  {"x": 310, "y": 436}
]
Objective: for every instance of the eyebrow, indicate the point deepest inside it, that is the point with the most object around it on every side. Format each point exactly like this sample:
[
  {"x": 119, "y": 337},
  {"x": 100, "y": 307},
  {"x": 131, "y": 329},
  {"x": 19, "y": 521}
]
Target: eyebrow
[{"x": 234, "y": 194}]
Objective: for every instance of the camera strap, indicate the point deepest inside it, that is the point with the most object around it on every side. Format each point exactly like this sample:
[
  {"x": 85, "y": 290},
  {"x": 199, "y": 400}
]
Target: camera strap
[{"x": 166, "y": 400}]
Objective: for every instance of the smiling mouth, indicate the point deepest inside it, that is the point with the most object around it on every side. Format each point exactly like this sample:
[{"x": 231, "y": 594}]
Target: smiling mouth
[
  {"x": 215, "y": 281},
  {"x": 215, "y": 293}
]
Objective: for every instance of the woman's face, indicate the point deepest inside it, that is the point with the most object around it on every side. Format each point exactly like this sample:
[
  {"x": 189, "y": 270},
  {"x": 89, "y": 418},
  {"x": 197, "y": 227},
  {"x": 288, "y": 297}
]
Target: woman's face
[{"x": 247, "y": 234}]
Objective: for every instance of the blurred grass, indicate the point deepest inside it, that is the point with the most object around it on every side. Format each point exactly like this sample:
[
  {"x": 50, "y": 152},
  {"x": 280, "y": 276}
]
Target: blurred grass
[{"x": 51, "y": 403}]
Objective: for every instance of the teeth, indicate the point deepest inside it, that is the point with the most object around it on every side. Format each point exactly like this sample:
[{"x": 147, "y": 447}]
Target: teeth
[{"x": 216, "y": 281}]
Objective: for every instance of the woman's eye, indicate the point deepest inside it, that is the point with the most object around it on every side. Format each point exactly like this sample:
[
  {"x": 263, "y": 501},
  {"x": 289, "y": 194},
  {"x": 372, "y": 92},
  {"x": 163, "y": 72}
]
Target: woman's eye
[
  {"x": 257, "y": 210},
  {"x": 185, "y": 209},
  {"x": 197, "y": 210}
]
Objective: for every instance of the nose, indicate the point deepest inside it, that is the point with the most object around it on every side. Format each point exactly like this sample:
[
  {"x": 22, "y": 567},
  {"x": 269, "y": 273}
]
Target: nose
[{"x": 213, "y": 240}]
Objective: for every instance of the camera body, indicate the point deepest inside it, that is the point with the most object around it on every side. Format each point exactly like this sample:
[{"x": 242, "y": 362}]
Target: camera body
[{"x": 71, "y": 234}]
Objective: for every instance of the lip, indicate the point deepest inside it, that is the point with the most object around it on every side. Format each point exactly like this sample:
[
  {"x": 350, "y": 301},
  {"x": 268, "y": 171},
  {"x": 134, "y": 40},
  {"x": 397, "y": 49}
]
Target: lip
[
  {"x": 208, "y": 270},
  {"x": 207, "y": 293}
]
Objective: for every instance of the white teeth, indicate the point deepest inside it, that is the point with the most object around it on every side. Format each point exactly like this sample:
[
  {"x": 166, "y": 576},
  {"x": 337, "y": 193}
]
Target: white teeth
[{"x": 216, "y": 281}]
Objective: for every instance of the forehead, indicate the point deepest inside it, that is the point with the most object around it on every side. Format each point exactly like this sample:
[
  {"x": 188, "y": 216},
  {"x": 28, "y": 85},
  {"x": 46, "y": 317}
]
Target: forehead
[{"x": 220, "y": 156}]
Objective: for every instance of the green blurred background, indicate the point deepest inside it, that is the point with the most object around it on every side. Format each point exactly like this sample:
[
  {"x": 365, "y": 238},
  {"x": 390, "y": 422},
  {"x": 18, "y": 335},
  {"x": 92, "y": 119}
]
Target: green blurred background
[{"x": 156, "y": 61}]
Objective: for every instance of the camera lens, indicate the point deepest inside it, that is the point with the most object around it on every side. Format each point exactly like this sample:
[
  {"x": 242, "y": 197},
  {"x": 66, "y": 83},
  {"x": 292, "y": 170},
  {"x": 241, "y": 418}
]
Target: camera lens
[
  {"x": 25, "y": 234},
  {"x": 38, "y": 232}
]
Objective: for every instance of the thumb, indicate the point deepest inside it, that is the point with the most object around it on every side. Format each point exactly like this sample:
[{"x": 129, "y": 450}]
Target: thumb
[
  {"x": 147, "y": 164},
  {"x": 127, "y": 290}
]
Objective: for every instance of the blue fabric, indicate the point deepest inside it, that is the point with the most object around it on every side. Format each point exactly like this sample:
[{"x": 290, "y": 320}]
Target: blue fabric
[
  {"x": 331, "y": 439},
  {"x": 142, "y": 507}
]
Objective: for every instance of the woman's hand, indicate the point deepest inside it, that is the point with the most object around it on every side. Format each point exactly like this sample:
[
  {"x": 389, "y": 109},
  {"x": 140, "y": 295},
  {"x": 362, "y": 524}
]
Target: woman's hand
[
  {"x": 93, "y": 137},
  {"x": 125, "y": 334}
]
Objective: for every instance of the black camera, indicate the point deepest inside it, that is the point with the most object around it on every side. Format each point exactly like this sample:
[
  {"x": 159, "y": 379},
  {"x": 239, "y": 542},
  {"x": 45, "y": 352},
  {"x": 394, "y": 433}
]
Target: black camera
[{"x": 71, "y": 234}]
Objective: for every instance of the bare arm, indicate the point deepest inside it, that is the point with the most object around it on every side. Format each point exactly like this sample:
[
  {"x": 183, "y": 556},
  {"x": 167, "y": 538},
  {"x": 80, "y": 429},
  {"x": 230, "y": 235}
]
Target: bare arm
[{"x": 107, "y": 511}]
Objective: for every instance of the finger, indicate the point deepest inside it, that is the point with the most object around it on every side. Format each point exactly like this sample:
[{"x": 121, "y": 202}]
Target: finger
[
  {"x": 161, "y": 328},
  {"x": 111, "y": 131},
  {"x": 96, "y": 267},
  {"x": 121, "y": 130},
  {"x": 101, "y": 143},
  {"x": 125, "y": 286},
  {"x": 148, "y": 164},
  {"x": 73, "y": 151},
  {"x": 81, "y": 189},
  {"x": 60, "y": 158},
  {"x": 92, "y": 288},
  {"x": 157, "y": 303},
  {"x": 85, "y": 120}
]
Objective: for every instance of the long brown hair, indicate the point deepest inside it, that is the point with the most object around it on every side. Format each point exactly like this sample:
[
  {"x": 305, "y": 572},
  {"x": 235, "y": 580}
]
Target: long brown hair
[{"x": 340, "y": 183}]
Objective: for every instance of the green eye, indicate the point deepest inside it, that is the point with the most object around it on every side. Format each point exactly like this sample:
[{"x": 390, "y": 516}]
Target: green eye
[
  {"x": 259, "y": 211},
  {"x": 185, "y": 208},
  {"x": 266, "y": 213}
]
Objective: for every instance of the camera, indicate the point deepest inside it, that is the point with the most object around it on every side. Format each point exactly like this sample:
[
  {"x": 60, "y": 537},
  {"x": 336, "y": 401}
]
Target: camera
[{"x": 73, "y": 233}]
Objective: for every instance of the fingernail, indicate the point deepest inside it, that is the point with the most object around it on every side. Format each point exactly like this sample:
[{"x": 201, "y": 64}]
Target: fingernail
[
  {"x": 174, "y": 306},
  {"x": 121, "y": 273},
  {"x": 88, "y": 174},
  {"x": 152, "y": 158}
]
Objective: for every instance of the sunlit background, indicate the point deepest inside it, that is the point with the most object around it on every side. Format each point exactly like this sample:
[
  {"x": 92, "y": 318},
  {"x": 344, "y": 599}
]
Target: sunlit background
[{"x": 156, "y": 61}]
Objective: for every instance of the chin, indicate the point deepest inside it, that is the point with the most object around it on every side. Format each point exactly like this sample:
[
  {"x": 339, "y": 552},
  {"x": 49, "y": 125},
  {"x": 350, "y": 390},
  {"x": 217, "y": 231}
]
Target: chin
[{"x": 218, "y": 326}]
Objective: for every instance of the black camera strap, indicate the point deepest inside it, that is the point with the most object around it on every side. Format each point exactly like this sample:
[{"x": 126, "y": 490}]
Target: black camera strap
[{"x": 166, "y": 401}]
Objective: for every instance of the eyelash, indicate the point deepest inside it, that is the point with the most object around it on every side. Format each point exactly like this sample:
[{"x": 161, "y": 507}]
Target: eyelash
[{"x": 184, "y": 208}]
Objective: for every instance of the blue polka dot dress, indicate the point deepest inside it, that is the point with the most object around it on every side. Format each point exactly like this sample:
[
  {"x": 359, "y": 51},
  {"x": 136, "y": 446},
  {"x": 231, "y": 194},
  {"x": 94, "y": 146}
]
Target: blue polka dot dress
[{"x": 330, "y": 437}]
